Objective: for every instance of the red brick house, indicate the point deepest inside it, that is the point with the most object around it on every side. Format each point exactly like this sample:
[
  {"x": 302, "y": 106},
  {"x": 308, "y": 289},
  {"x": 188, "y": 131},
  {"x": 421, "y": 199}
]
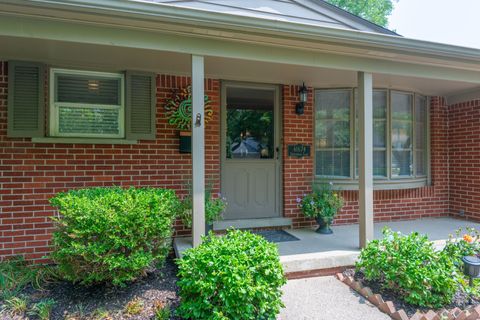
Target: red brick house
[{"x": 394, "y": 122}]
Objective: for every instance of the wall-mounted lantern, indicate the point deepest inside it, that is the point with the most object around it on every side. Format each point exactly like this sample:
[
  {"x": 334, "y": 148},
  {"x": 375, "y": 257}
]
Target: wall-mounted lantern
[{"x": 303, "y": 94}]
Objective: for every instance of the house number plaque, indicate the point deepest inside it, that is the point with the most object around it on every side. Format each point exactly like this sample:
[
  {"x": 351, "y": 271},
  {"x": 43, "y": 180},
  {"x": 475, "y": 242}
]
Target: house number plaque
[{"x": 298, "y": 150}]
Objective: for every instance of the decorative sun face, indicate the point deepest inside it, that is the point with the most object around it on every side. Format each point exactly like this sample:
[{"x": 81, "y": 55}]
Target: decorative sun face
[{"x": 179, "y": 109}]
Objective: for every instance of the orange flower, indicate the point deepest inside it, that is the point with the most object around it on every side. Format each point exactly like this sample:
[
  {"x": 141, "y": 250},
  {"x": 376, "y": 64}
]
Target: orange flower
[{"x": 468, "y": 238}]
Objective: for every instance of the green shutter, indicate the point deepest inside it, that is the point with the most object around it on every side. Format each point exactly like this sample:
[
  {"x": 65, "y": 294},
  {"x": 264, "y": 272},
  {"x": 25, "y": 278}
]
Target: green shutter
[
  {"x": 140, "y": 106},
  {"x": 26, "y": 99}
]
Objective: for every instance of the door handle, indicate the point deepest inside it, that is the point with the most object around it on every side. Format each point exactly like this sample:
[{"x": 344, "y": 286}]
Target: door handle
[
  {"x": 277, "y": 150},
  {"x": 198, "y": 120}
]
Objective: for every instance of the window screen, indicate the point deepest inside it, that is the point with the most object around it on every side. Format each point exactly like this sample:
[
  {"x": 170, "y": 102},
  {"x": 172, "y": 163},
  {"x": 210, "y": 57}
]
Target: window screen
[{"x": 87, "y": 104}]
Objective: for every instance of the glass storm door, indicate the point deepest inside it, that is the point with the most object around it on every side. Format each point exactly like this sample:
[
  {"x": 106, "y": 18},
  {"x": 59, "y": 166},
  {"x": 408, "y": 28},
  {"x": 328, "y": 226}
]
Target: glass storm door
[{"x": 250, "y": 155}]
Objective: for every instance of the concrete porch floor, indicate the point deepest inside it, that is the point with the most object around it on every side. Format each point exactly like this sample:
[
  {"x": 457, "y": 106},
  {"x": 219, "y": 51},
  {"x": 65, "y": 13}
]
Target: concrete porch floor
[{"x": 318, "y": 252}]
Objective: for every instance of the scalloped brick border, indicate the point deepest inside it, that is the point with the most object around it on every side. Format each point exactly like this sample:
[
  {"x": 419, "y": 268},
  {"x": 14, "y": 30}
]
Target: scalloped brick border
[{"x": 388, "y": 307}]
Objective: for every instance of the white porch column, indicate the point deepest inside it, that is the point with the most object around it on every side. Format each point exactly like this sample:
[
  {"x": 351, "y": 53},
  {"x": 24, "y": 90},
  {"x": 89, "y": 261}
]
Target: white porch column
[
  {"x": 365, "y": 154},
  {"x": 198, "y": 150}
]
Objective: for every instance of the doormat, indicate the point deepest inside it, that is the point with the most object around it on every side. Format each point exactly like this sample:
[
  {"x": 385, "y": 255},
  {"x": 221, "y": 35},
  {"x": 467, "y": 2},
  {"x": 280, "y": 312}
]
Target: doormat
[{"x": 275, "y": 235}]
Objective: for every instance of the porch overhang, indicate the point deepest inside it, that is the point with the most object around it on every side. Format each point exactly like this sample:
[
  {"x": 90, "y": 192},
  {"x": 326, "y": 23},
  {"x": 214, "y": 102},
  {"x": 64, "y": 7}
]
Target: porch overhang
[{"x": 141, "y": 25}]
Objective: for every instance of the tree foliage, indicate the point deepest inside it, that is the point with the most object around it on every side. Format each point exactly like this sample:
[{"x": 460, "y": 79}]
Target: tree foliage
[{"x": 376, "y": 11}]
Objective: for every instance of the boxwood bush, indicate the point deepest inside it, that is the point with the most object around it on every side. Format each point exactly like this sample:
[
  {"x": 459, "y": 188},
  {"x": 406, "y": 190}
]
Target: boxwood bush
[
  {"x": 112, "y": 234},
  {"x": 410, "y": 266},
  {"x": 236, "y": 276}
]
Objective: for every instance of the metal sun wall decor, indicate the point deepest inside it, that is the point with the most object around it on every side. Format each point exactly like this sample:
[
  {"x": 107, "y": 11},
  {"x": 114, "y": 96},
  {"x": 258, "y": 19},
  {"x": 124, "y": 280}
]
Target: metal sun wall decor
[{"x": 179, "y": 109}]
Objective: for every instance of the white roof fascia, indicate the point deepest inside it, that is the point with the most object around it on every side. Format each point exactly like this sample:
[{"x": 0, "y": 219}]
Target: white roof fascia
[{"x": 198, "y": 18}]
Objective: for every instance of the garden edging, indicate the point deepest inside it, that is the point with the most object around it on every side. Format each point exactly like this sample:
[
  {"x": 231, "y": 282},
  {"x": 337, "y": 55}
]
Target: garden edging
[{"x": 388, "y": 308}]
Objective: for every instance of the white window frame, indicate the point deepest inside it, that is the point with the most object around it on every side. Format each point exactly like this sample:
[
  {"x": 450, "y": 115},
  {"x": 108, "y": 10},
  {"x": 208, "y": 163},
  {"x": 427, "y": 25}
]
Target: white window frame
[
  {"x": 380, "y": 182},
  {"x": 54, "y": 106}
]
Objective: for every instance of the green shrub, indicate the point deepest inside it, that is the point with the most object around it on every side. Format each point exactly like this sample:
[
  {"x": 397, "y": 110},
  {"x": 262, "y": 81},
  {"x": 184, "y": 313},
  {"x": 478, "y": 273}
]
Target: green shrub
[
  {"x": 112, "y": 234},
  {"x": 236, "y": 276},
  {"x": 411, "y": 267}
]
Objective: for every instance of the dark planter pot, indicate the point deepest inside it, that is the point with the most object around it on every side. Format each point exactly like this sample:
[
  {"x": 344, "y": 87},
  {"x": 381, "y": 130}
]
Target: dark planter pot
[
  {"x": 185, "y": 144},
  {"x": 324, "y": 225},
  {"x": 208, "y": 227}
]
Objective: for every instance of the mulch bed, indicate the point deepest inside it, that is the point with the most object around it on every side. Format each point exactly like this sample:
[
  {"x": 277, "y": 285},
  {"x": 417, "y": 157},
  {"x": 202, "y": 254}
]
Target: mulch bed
[
  {"x": 461, "y": 300},
  {"x": 78, "y": 302}
]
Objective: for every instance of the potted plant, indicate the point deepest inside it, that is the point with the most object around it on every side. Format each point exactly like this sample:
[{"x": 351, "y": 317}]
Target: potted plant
[
  {"x": 179, "y": 114},
  {"x": 322, "y": 204},
  {"x": 214, "y": 208}
]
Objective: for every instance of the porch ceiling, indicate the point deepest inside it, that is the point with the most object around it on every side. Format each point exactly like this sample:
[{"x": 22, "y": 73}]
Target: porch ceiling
[{"x": 111, "y": 58}]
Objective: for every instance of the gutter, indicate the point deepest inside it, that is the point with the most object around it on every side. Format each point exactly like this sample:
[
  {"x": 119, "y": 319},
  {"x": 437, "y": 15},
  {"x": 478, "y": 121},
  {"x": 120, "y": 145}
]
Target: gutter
[{"x": 156, "y": 12}]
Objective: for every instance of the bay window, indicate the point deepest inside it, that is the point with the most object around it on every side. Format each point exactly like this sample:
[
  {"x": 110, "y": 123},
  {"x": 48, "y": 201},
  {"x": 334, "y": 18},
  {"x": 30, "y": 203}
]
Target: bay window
[{"x": 400, "y": 138}]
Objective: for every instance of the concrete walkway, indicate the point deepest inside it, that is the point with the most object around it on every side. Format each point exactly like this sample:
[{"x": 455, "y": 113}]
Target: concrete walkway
[{"x": 325, "y": 298}]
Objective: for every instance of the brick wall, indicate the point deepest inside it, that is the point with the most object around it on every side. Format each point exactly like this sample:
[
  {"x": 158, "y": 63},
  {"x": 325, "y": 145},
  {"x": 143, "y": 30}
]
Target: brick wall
[
  {"x": 30, "y": 173},
  {"x": 464, "y": 141}
]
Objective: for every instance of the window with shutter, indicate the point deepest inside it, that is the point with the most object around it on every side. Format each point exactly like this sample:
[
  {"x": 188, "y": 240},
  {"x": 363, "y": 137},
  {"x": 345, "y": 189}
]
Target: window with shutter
[
  {"x": 87, "y": 104},
  {"x": 26, "y": 99}
]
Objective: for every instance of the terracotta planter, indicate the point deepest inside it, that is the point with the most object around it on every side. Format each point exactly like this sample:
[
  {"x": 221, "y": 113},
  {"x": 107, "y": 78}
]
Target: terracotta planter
[
  {"x": 185, "y": 142},
  {"x": 324, "y": 225}
]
